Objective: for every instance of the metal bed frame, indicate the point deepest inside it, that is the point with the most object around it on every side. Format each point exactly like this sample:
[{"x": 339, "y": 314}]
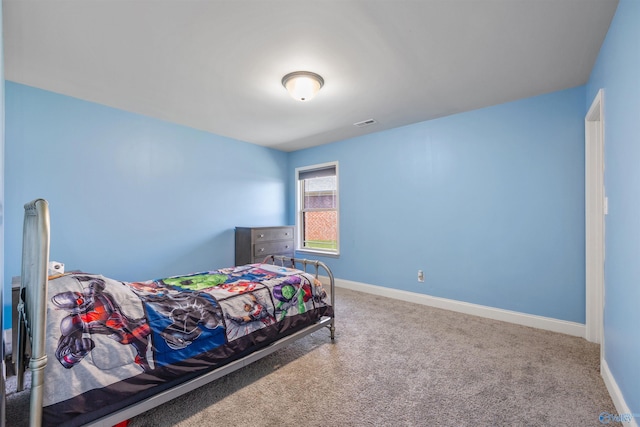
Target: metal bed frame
[{"x": 32, "y": 323}]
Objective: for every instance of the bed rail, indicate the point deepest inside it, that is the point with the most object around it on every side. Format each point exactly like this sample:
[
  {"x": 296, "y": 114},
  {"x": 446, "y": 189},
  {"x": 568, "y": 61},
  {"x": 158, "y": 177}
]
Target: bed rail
[
  {"x": 32, "y": 303},
  {"x": 317, "y": 264}
]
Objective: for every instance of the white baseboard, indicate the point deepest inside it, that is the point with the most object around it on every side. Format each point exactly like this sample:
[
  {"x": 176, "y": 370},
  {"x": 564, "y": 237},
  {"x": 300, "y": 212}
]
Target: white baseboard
[
  {"x": 540, "y": 322},
  {"x": 616, "y": 396}
]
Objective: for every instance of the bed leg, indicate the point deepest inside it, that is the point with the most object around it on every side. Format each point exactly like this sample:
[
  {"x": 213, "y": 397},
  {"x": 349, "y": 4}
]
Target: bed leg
[
  {"x": 37, "y": 386},
  {"x": 19, "y": 352}
]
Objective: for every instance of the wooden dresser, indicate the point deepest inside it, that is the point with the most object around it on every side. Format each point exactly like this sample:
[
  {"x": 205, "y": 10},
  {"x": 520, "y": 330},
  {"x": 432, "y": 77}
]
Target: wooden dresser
[{"x": 254, "y": 244}]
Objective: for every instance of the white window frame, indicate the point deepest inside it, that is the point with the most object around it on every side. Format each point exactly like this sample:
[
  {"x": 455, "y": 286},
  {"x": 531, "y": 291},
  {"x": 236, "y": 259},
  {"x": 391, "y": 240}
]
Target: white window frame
[{"x": 300, "y": 212}]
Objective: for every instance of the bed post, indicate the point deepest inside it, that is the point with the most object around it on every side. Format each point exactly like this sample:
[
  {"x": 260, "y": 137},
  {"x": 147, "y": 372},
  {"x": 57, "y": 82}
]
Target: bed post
[
  {"x": 32, "y": 308},
  {"x": 332, "y": 284}
]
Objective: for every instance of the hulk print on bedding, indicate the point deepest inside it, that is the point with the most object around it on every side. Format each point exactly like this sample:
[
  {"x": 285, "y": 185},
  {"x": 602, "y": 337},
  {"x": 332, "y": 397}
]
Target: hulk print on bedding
[{"x": 105, "y": 333}]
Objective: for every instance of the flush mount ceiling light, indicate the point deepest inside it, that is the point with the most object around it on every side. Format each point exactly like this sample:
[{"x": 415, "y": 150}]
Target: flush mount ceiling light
[{"x": 302, "y": 85}]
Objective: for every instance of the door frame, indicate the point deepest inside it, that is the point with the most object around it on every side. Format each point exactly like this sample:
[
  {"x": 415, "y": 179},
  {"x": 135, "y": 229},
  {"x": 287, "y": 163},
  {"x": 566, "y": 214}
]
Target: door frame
[{"x": 595, "y": 211}]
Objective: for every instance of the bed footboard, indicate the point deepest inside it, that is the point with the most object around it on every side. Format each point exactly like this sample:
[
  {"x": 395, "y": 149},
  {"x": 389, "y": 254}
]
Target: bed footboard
[
  {"x": 294, "y": 262},
  {"x": 32, "y": 303}
]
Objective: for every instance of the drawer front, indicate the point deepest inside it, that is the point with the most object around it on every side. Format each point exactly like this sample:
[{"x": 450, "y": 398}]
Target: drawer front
[
  {"x": 268, "y": 234},
  {"x": 258, "y": 259},
  {"x": 264, "y": 249}
]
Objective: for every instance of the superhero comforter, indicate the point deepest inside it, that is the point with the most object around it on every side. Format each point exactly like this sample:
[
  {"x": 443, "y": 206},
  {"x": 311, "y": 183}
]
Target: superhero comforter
[{"x": 111, "y": 343}]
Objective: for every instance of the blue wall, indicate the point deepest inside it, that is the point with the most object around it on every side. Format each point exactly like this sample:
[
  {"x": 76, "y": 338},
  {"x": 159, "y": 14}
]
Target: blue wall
[
  {"x": 132, "y": 197},
  {"x": 489, "y": 203},
  {"x": 617, "y": 71}
]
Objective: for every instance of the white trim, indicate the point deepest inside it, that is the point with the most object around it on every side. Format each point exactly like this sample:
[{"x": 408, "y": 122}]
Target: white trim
[
  {"x": 616, "y": 394},
  {"x": 595, "y": 201},
  {"x": 540, "y": 322},
  {"x": 298, "y": 223}
]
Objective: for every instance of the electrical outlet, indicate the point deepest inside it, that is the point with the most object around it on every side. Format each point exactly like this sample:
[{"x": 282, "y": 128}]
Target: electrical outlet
[{"x": 420, "y": 276}]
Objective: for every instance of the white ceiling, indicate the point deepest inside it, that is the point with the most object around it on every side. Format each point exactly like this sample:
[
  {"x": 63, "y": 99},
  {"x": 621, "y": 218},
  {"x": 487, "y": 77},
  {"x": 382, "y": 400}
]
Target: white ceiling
[{"x": 217, "y": 65}]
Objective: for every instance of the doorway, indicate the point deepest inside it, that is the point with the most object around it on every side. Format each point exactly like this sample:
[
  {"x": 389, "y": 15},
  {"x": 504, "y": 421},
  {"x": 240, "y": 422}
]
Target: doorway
[{"x": 595, "y": 210}]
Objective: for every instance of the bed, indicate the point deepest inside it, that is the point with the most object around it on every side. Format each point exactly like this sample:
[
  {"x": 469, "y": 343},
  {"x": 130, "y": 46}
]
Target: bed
[{"x": 101, "y": 351}]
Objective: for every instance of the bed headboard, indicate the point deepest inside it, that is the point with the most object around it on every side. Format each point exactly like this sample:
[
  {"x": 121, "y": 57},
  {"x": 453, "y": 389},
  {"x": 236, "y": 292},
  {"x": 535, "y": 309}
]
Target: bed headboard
[{"x": 33, "y": 300}]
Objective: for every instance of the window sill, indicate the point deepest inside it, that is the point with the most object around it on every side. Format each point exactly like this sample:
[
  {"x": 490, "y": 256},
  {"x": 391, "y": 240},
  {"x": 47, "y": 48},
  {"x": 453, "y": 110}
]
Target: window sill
[{"x": 319, "y": 252}]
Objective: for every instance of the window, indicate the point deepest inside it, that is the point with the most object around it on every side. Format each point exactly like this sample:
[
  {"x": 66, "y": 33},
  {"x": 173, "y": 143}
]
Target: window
[{"x": 317, "y": 208}]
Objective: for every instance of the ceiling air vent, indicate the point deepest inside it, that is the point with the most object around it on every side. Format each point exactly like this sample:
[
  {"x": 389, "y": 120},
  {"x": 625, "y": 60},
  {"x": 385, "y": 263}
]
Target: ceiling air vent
[{"x": 365, "y": 123}]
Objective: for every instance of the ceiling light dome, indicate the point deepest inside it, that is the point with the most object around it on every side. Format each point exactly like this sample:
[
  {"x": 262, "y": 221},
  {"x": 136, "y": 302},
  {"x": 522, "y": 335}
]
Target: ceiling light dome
[{"x": 302, "y": 85}]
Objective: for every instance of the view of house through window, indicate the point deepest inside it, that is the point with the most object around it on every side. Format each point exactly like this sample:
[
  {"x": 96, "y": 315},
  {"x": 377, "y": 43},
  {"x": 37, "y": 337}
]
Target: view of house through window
[{"x": 317, "y": 203}]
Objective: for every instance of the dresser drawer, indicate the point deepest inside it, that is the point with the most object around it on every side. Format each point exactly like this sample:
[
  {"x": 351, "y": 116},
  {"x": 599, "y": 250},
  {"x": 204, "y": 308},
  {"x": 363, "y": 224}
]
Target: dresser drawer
[
  {"x": 259, "y": 259},
  {"x": 264, "y": 249},
  {"x": 254, "y": 244},
  {"x": 268, "y": 234}
]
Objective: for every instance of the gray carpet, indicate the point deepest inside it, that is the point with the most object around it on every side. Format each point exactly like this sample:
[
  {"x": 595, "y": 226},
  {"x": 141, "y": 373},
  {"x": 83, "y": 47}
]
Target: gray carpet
[{"x": 399, "y": 364}]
